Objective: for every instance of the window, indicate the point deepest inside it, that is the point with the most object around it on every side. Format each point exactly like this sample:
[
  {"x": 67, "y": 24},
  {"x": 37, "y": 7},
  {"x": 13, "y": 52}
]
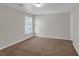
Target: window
[{"x": 28, "y": 25}]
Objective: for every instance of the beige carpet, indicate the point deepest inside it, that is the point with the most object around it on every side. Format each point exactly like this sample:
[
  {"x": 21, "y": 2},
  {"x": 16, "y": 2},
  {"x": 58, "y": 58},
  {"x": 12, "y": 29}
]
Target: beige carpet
[{"x": 39, "y": 46}]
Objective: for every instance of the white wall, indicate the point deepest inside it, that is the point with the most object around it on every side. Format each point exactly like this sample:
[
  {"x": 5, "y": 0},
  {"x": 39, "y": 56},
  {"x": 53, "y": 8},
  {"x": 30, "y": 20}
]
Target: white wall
[
  {"x": 12, "y": 26},
  {"x": 53, "y": 25},
  {"x": 75, "y": 28},
  {"x": 1, "y": 24}
]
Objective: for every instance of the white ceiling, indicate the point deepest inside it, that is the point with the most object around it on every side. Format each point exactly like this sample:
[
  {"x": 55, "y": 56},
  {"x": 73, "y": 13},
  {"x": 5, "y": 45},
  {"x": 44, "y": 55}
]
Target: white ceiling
[{"x": 44, "y": 9}]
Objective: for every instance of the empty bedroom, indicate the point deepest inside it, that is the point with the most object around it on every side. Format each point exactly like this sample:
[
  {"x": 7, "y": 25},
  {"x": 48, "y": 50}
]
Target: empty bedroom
[{"x": 39, "y": 29}]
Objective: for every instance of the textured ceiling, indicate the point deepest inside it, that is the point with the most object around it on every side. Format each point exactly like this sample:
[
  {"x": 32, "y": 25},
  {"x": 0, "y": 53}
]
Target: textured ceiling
[{"x": 46, "y": 8}]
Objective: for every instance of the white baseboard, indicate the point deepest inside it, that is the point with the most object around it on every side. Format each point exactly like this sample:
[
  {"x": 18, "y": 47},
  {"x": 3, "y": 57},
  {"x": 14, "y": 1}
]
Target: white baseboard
[
  {"x": 29, "y": 36},
  {"x": 15, "y": 42},
  {"x": 54, "y": 37},
  {"x": 76, "y": 47}
]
